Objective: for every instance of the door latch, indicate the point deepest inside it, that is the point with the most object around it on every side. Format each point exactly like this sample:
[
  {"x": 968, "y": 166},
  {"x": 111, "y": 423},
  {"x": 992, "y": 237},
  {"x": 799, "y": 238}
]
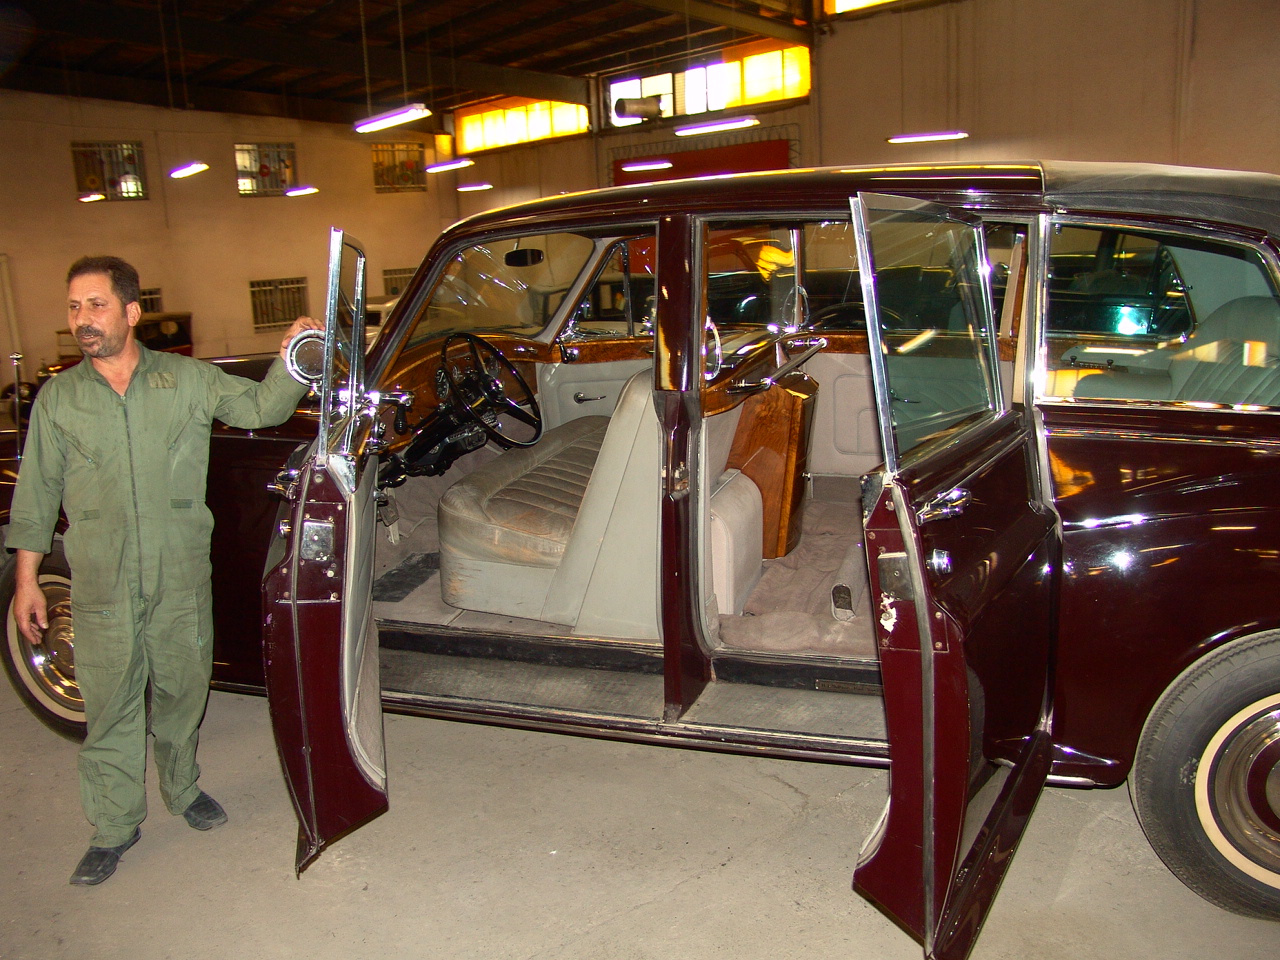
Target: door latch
[{"x": 895, "y": 576}]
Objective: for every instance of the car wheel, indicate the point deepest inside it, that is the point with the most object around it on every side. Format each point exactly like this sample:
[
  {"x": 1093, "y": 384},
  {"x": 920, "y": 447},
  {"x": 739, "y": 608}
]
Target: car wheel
[
  {"x": 1206, "y": 779},
  {"x": 45, "y": 674}
]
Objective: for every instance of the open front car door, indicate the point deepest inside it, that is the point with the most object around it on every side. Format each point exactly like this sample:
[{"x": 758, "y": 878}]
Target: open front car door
[
  {"x": 963, "y": 551},
  {"x": 320, "y": 642}
]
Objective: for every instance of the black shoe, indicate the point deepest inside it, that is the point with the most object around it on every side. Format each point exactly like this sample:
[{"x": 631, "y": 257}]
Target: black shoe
[
  {"x": 205, "y": 813},
  {"x": 101, "y": 862}
]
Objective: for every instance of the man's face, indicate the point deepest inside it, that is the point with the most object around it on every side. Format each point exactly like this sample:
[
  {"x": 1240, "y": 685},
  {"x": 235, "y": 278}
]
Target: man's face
[{"x": 101, "y": 324}]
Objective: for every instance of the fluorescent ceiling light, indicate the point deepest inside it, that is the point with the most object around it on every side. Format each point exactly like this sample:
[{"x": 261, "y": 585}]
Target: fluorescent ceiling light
[
  {"x": 640, "y": 166},
  {"x": 190, "y": 170},
  {"x": 929, "y": 137},
  {"x": 300, "y": 191},
  {"x": 473, "y": 187},
  {"x": 448, "y": 165},
  {"x": 392, "y": 118},
  {"x": 91, "y": 197},
  {"x": 715, "y": 126}
]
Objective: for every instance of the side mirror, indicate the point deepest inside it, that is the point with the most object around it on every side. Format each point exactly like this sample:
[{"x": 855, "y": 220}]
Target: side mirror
[{"x": 304, "y": 357}]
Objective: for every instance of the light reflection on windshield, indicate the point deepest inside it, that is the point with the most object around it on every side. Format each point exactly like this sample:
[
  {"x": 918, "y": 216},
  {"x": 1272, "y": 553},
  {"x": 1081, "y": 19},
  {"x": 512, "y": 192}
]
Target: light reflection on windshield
[{"x": 513, "y": 285}]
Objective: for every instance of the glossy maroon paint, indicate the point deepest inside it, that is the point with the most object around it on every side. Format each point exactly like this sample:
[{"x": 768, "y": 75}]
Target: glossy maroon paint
[
  {"x": 1171, "y": 524},
  {"x": 965, "y": 780},
  {"x": 303, "y": 657}
]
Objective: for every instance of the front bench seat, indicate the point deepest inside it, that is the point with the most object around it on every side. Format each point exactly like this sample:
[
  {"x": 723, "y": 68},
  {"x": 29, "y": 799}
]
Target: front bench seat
[{"x": 567, "y": 531}]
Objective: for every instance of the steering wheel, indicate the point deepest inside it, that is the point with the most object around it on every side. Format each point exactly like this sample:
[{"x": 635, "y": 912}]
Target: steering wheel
[{"x": 476, "y": 390}]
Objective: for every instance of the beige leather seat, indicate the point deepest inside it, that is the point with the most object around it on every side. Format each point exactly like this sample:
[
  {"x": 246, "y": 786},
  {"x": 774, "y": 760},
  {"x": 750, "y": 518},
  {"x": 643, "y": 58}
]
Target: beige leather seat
[
  {"x": 567, "y": 531},
  {"x": 1233, "y": 356}
]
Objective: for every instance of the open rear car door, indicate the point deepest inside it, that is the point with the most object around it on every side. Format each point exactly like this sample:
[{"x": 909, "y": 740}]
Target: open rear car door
[
  {"x": 963, "y": 550},
  {"x": 320, "y": 644}
]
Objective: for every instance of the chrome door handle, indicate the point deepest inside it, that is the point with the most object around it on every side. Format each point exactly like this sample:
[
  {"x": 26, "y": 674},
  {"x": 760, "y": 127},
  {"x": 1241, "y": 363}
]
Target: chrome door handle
[
  {"x": 581, "y": 397},
  {"x": 949, "y": 504}
]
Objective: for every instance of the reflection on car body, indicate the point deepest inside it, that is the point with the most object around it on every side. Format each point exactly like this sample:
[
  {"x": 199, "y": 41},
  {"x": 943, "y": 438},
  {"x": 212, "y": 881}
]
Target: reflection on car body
[{"x": 909, "y": 463}]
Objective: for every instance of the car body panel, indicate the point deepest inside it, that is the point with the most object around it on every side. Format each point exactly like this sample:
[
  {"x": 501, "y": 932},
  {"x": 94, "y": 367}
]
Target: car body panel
[
  {"x": 320, "y": 649},
  {"x": 964, "y": 565}
]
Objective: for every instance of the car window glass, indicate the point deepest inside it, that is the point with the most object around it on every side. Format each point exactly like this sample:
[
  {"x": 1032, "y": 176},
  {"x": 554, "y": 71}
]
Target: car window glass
[
  {"x": 935, "y": 327},
  {"x": 750, "y": 277},
  {"x": 750, "y": 274},
  {"x": 511, "y": 285},
  {"x": 620, "y": 299},
  {"x": 1136, "y": 315}
]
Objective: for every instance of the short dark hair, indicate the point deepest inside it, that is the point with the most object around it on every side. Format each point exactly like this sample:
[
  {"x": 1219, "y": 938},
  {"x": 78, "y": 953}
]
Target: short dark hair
[{"x": 124, "y": 278}]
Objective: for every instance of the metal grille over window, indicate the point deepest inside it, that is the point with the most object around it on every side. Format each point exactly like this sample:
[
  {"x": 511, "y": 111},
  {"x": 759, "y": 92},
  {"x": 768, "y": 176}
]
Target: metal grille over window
[
  {"x": 277, "y": 303},
  {"x": 151, "y": 300},
  {"x": 265, "y": 169},
  {"x": 399, "y": 167},
  {"x": 109, "y": 171},
  {"x": 394, "y": 281}
]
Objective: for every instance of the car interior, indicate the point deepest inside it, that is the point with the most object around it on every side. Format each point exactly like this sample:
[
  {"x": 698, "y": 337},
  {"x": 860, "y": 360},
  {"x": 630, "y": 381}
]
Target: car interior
[{"x": 518, "y": 560}]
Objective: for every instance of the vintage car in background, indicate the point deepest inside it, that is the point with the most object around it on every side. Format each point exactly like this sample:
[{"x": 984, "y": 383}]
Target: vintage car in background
[{"x": 968, "y": 470}]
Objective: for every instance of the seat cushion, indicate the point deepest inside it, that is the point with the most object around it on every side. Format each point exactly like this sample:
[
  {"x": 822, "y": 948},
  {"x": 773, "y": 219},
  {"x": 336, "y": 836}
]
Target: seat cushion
[{"x": 521, "y": 507}]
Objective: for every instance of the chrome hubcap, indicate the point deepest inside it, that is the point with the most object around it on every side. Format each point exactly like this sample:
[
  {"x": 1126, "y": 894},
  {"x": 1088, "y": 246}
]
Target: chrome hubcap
[
  {"x": 49, "y": 666},
  {"x": 1238, "y": 790}
]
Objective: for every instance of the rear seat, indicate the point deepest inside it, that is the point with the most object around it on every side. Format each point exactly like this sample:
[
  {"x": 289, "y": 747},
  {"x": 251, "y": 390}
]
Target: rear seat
[{"x": 1232, "y": 357}]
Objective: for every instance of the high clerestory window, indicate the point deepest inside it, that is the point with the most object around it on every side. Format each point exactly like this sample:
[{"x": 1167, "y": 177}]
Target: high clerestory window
[
  {"x": 277, "y": 303},
  {"x": 109, "y": 170},
  {"x": 512, "y": 120},
  {"x": 762, "y": 72},
  {"x": 399, "y": 167},
  {"x": 265, "y": 169}
]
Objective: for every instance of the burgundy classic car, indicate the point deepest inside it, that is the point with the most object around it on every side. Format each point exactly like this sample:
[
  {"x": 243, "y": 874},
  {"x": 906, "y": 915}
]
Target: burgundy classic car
[{"x": 968, "y": 470}]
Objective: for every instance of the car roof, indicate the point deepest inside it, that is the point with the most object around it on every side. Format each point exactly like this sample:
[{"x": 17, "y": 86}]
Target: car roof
[{"x": 1193, "y": 193}]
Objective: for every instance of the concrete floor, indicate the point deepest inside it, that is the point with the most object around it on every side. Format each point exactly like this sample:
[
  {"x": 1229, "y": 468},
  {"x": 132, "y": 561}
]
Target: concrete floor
[{"x": 506, "y": 844}]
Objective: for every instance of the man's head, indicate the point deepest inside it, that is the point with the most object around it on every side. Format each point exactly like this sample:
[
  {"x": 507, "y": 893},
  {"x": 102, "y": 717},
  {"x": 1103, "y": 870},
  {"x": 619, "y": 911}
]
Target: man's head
[{"x": 102, "y": 305}]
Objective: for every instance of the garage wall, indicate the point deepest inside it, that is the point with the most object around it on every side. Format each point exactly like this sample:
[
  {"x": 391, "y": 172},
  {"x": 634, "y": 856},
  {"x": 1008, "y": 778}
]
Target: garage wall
[
  {"x": 1173, "y": 81},
  {"x": 1182, "y": 81},
  {"x": 196, "y": 239}
]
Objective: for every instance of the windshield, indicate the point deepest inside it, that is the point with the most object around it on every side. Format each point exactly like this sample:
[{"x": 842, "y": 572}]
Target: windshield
[{"x": 513, "y": 285}]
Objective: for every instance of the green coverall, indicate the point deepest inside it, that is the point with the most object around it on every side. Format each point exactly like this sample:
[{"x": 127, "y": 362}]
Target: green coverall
[{"x": 130, "y": 474}]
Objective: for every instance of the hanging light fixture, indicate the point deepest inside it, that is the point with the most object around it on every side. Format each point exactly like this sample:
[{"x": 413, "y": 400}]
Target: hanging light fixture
[
  {"x": 929, "y": 137},
  {"x": 301, "y": 191},
  {"x": 643, "y": 166},
  {"x": 406, "y": 114},
  {"x": 195, "y": 166},
  {"x": 447, "y": 165},
  {"x": 188, "y": 170},
  {"x": 716, "y": 126},
  {"x": 474, "y": 187},
  {"x": 392, "y": 118}
]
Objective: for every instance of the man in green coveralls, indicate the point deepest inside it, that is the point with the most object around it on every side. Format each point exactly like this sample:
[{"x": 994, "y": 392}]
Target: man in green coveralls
[{"x": 122, "y": 443}]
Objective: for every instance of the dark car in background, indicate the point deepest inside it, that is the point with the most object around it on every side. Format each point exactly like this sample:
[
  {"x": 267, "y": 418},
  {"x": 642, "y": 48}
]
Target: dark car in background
[{"x": 968, "y": 470}]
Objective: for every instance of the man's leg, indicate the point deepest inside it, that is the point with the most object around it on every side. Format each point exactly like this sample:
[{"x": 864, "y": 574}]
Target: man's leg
[
  {"x": 111, "y": 670},
  {"x": 179, "y": 640}
]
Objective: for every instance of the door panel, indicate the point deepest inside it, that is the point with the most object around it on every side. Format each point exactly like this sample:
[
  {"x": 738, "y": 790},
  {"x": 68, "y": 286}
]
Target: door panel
[
  {"x": 320, "y": 644},
  {"x": 963, "y": 555}
]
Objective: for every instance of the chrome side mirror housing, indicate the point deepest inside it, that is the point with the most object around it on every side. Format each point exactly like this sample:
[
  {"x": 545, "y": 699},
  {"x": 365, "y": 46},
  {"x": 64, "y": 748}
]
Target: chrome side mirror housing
[{"x": 304, "y": 357}]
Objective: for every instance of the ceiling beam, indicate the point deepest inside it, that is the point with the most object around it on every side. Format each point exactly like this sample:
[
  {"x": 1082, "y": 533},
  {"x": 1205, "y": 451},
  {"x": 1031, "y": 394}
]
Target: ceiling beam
[
  {"x": 727, "y": 17},
  {"x": 98, "y": 21}
]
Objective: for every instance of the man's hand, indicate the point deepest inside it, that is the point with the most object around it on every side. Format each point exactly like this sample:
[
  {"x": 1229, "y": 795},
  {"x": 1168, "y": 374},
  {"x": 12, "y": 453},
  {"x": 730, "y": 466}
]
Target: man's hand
[
  {"x": 30, "y": 611},
  {"x": 302, "y": 323}
]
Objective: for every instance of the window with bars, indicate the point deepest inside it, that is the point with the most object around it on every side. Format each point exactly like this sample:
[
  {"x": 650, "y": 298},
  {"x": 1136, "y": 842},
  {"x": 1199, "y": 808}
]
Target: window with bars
[
  {"x": 277, "y": 303},
  {"x": 399, "y": 167},
  {"x": 394, "y": 281},
  {"x": 109, "y": 170},
  {"x": 265, "y": 169},
  {"x": 151, "y": 300}
]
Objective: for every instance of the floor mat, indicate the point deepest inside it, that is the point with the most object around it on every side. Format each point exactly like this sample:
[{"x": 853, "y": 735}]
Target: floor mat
[{"x": 413, "y": 571}]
